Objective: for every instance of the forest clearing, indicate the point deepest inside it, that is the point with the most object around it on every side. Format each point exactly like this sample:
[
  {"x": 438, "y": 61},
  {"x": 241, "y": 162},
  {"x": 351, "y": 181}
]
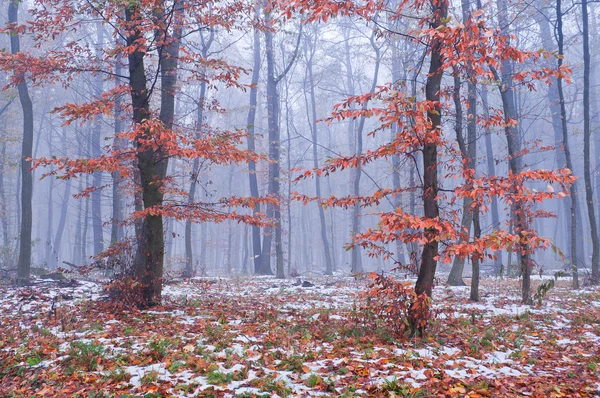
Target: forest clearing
[
  {"x": 266, "y": 337},
  {"x": 290, "y": 198}
]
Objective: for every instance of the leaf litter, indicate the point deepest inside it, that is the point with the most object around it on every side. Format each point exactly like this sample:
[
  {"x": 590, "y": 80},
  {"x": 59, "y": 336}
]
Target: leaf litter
[{"x": 249, "y": 337}]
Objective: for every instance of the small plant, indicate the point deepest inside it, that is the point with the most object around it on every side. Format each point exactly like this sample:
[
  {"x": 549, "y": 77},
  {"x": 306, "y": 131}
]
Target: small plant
[
  {"x": 294, "y": 363},
  {"x": 86, "y": 355},
  {"x": 313, "y": 380},
  {"x": 542, "y": 290},
  {"x": 150, "y": 377},
  {"x": 118, "y": 375},
  {"x": 34, "y": 359},
  {"x": 271, "y": 385},
  {"x": 158, "y": 349},
  {"x": 395, "y": 305},
  {"x": 175, "y": 366},
  {"x": 217, "y": 377},
  {"x": 394, "y": 387}
]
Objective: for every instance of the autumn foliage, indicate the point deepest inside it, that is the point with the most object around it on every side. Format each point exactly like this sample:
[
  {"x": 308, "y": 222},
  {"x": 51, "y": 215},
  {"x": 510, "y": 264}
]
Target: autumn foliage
[
  {"x": 394, "y": 305},
  {"x": 474, "y": 52}
]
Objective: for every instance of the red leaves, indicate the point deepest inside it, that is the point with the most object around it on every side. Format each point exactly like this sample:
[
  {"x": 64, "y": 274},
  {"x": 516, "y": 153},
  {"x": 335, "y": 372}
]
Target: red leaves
[{"x": 395, "y": 304}]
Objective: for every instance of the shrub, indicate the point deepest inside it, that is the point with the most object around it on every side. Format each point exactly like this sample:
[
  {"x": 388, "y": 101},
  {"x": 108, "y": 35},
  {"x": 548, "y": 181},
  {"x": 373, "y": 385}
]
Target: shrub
[{"x": 395, "y": 305}]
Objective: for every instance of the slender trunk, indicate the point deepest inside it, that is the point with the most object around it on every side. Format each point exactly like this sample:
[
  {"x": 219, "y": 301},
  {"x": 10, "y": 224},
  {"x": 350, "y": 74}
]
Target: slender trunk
[
  {"x": 273, "y": 210},
  {"x": 315, "y": 137},
  {"x": 24, "y": 264},
  {"x": 3, "y": 207},
  {"x": 116, "y": 231},
  {"x": 96, "y": 151},
  {"x": 565, "y": 145},
  {"x": 289, "y": 180},
  {"x": 49, "y": 217},
  {"x": 86, "y": 224},
  {"x": 77, "y": 247},
  {"x": 425, "y": 280},
  {"x": 252, "y": 177},
  {"x": 396, "y": 76},
  {"x": 519, "y": 216},
  {"x": 475, "y": 258},
  {"x": 491, "y": 171},
  {"x": 63, "y": 212},
  {"x": 456, "y": 273},
  {"x": 189, "y": 253},
  {"x": 589, "y": 194}
]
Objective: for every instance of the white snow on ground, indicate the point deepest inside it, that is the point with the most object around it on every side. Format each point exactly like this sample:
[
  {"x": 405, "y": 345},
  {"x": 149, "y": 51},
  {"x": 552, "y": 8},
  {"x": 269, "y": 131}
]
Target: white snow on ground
[{"x": 329, "y": 295}]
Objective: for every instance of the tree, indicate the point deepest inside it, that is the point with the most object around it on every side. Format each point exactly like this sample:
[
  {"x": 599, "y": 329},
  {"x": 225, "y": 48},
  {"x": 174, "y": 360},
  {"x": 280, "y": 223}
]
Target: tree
[
  {"x": 151, "y": 31},
  {"x": 273, "y": 111},
  {"x": 464, "y": 49},
  {"x": 310, "y": 49},
  {"x": 565, "y": 143},
  {"x": 587, "y": 176},
  {"x": 24, "y": 264}
]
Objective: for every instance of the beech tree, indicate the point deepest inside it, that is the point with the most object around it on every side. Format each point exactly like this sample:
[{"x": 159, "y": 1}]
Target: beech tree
[
  {"x": 155, "y": 51},
  {"x": 472, "y": 50},
  {"x": 24, "y": 264}
]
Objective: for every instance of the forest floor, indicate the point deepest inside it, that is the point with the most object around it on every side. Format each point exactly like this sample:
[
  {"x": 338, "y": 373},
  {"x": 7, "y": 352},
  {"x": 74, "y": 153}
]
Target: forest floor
[{"x": 266, "y": 337}]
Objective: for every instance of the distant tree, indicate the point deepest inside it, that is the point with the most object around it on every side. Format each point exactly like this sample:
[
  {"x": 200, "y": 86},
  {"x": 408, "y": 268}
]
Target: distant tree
[{"x": 24, "y": 265}]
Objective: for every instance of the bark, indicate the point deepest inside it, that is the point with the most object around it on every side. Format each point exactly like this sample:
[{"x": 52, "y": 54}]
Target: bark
[
  {"x": 274, "y": 185},
  {"x": 63, "y": 212},
  {"x": 273, "y": 173},
  {"x": 24, "y": 264},
  {"x": 315, "y": 143},
  {"x": 455, "y": 277},
  {"x": 3, "y": 207},
  {"x": 425, "y": 280},
  {"x": 86, "y": 223},
  {"x": 189, "y": 252},
  {"x": 491, "y": 171},
  {"x": 116, "y": 231},
  {"x": 49, "y": 215},
  {"x": 475, "y": 259},
  {"x": 565, "y": 145},
  {"x": 251, "y": 144},
  {"x": 356, "y": 260},
  {"x": 396, "y": 76},
  {"x": 556, "y": 112},
  {"x": 589, "y": 194},
  {"x": 519, "y": 215},
  {"x": 468, "y": 151},
  {"x": 96, "y": 151},
  {"x": 152, "y": 164}
]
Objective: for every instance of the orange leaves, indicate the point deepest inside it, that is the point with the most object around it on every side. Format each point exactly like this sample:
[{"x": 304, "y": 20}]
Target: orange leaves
[{"x": 395, "y": 304}]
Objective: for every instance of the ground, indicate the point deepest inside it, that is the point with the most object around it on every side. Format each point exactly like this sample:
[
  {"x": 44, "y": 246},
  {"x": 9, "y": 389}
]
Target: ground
[{"x": 266, "y": 337}]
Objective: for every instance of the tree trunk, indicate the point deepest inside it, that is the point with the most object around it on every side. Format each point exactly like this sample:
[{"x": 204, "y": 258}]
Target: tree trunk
[
  {"x": 63, "y": 212},
  {"x": 116, "y": 231},
  {"x": 491, "y": 170},
  {"x": 425, "y": 280},
  {"x": 456, "y": 273},
  {"x": 96, "y": 151},
  {"x": 589, "y": 194},
  {"x": 3, "y": 206},
  {"x": 152, "y": 164},
  {"x": 565, "y": 145},
  {"x": 475, "y": 258},
  {"x": 315, "y": 143},
  {"x": 252, "y": 177},
  {"x": 520, "y": 221},
  {"x": 189, "y": 253},
  {"x": 24, "y": 264}
]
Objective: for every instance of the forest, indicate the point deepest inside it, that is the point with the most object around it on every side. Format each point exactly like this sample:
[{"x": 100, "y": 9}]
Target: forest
[{"x": 293, "y": 198}]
